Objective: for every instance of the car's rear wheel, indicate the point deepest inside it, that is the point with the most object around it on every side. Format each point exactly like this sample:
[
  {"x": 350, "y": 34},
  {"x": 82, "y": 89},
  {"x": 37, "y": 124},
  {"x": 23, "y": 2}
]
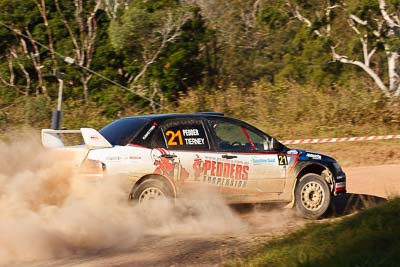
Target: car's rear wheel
[
  {"x": 312, "y": 196},
  {"x": 151, "y": 189}
]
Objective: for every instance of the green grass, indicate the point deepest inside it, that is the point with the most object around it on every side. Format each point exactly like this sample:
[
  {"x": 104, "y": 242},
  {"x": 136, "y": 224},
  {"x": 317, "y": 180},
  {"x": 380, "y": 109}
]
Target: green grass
[{"x": 369, "y": 238}]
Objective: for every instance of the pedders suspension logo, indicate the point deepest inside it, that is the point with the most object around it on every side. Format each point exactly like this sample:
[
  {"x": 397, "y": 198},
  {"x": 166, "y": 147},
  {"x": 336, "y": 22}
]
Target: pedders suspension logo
[
  {"x": 221, "y": 173},
  {"x": 226, "y": 170}
]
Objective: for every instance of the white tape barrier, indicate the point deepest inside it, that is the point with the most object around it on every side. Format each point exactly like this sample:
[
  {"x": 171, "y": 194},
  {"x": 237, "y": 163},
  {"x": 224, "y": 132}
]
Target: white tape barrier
[{"x": 337, "y": 140}]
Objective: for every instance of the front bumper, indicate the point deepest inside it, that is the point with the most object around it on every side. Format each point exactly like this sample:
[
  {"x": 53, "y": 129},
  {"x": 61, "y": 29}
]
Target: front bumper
[
  {"x": 340, "y": 185},
  {"x": 340, "y": 188}
]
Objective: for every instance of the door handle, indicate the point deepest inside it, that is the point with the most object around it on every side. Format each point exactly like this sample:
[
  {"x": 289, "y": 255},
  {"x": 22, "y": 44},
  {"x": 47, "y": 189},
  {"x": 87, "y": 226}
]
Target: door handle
[
  {"x": 168, "y": 156},
  {"x": 228, "y": 156}
]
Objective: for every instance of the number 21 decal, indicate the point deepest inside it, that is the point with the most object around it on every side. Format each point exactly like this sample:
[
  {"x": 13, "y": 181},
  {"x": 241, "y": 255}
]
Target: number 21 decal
[
  {"x": 282, "y": 160},
  {"x": 175, "y": 138}
]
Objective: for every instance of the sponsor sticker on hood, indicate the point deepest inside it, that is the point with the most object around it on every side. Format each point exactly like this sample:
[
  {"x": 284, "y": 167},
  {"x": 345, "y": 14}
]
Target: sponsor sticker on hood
[
  {"x": 292, "y": 152},
  {"x": 314, "y": 156}
]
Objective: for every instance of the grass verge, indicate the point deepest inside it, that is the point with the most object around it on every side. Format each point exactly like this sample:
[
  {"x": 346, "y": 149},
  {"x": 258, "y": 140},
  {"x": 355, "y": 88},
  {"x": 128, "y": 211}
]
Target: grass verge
[{"x": 369, "y": 238}]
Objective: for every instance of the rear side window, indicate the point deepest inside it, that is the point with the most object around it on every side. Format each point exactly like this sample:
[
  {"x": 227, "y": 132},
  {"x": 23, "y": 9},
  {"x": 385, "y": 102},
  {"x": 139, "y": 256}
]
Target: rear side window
[
  {"x": 184, "y": 135},
  {"x": 120, "y": 132}
]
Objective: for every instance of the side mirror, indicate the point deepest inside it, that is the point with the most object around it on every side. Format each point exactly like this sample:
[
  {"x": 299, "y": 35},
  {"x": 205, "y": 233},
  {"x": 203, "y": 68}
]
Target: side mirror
[{"x": 270, "y": 144}]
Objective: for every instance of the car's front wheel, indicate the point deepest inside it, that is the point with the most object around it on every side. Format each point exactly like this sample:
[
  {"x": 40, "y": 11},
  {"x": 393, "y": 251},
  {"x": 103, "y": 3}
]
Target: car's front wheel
[
  {"x": 151, "y": 189},
  {"x": 312, "y": 196}
]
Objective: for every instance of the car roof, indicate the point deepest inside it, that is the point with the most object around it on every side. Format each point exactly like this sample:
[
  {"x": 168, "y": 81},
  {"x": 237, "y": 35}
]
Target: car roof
[{"x": 176, "y": 115}]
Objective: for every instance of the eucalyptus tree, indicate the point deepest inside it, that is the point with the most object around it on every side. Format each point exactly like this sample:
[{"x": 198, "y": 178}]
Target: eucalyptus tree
[
  {"x": 22, "y": 58},
  {"x": 37, "y": 37},
  {"x": 364, "y": 33},
  {"x": 80, "y": 19},
  {"x": 161, "y": 42}
]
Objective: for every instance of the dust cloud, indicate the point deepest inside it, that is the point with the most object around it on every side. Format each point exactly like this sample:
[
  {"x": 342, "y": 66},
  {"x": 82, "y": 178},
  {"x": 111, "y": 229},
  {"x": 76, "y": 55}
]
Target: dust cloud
[{"x": 48, "y": 211}]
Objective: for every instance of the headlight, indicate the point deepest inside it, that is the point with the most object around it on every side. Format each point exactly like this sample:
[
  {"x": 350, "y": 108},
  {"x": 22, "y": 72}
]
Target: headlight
[{"x": 337, "y": 167}]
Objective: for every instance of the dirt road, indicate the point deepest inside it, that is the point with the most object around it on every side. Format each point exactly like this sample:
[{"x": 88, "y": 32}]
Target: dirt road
[
  {"x": 381, "y": 180},
  {"x": 260, "y": 224}
]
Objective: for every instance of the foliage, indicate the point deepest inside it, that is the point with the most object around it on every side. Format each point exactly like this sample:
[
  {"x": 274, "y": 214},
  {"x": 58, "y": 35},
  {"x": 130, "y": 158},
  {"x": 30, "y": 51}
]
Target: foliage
[
  {"x": 161, "y": 42},
  {"x": 251, "y": 59},
  {"x": 37, "y": 110}
]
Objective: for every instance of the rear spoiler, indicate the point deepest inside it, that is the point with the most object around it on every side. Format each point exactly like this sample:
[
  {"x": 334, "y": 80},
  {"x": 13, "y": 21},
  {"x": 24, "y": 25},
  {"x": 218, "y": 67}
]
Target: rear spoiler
[{"x": 92, "y": 138}]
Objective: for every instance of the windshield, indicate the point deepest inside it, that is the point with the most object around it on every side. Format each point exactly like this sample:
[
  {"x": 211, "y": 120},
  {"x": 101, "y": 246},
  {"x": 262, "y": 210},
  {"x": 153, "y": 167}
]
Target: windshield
[{"x": 120, "y": 132}]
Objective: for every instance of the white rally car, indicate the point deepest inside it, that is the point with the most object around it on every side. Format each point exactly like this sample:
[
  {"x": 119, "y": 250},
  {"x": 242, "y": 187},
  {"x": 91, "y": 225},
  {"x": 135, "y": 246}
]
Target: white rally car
[{"x": 166, "y": 155}]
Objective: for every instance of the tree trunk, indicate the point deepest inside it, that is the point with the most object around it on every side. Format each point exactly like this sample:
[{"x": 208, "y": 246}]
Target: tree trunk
[
  {"x": 394, "y": 79},
  {"x": 37, "y": 64},
  {"x": 85, "y": 79}
]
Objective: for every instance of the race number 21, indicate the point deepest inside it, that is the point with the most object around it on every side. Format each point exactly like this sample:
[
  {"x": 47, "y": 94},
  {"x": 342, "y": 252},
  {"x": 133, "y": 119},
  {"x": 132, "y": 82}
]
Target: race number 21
[
  {"x": 174, "y": 138},
  {"x": 282, "y": 160}
]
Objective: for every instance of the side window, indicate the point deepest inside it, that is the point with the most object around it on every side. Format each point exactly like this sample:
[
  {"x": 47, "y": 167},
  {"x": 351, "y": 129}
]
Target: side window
[
  {"x": 236, "y": 137},
  {"x": 150, "y": 136},
  {"x": 158, "y": 140},
  {"x": 185, "y": 135}
]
